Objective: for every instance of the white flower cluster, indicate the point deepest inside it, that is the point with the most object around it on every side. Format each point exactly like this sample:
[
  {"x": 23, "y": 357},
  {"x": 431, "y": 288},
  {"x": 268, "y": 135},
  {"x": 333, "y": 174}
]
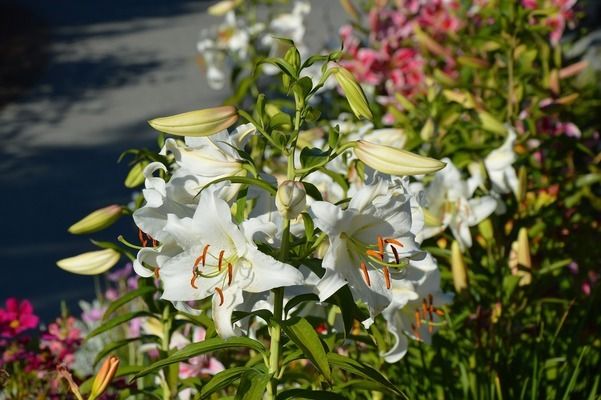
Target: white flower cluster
[{"x": 239, "y": 36}]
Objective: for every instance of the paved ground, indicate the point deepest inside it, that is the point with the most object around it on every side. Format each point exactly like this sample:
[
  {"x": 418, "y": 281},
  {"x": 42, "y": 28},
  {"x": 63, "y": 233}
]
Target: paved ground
[{"x": 97, "y": 71}]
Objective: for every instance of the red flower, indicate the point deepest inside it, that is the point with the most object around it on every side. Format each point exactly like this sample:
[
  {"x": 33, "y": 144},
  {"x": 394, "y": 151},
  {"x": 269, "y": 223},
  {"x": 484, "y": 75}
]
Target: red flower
[{"x": 17, "y": 317}]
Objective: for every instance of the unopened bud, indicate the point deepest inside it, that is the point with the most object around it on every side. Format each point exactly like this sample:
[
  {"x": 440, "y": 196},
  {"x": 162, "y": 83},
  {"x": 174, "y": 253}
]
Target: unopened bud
[
  {"x": 90, "y": 263},
  {"x": 291, "y": 199},
  {"x": 104, "y": 376},
  {"x": 197, "y": 123},
  {"x": 394, "y": 161},
  {"x": 353, "y": 92},
  {"x": 458, "y": 268},
  {"x": 491, "y": 124},
  {"x": 520, "y": 257},
  {"x": 97, "y": 220},
  {"x": 135, "y": 177},
  {"x": 223, "y": 7},
  {"x": 427, "y": 130}
]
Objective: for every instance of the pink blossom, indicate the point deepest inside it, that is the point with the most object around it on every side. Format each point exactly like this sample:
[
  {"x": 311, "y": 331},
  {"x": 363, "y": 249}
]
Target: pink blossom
[
  {"x": 17, "y": 317},
  {"x": 530, "y": 4},
  {"x": 62, "y": 339}
]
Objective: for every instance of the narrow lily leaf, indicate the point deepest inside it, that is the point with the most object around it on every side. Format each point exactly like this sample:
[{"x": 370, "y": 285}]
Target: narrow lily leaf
[
  {"x": 365, "y": 385},
  {"x": 309, "y": 394},
  {"x": 111, "y": 323},
  {"x": 252, "y": 385},
  {"x": 206, "y": 346},
  {"x": 312, "y": 191},
  {"x": 284, "y": 66},
  {"x": 293, "y": 302},
  {"x": 243, "y": 179},
  {"x": 222, "y": 380},
  {"x": 126, "y": 298},
  {"x": 360, "y": 369},
  {"x": 112, "y": 346},
  {"x": 302, "y": 333}
]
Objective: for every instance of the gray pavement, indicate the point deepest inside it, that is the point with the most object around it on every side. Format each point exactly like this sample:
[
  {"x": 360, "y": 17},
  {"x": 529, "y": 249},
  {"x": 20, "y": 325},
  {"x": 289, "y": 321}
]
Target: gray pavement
[{"x": 112, "y": 65}]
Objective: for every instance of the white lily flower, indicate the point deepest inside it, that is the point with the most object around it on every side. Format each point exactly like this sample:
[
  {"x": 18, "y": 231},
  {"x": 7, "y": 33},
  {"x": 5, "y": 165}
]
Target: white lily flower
[
  {"x": 220, "y": 259},
  {"x": 499, "y": 166},
  {"x": 375, "y": 219},
  {"x": 415, "y": 310},
  {"x": 202, "y": 160},
  {"x": 450, "y": 204}
]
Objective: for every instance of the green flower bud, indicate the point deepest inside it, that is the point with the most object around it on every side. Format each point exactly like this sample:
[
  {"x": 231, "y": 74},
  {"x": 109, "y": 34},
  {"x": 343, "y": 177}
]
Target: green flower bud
[
  {"x": 97, "y": 220},
  {"x": 458, "y": 268},
  {"x": 90, "y": 263},
  {"x": 197, "y": 123},
  {"x": 291, "y": 199},
  {"x": 353, "y": 92},
  {"x": 395, "y": 161}
]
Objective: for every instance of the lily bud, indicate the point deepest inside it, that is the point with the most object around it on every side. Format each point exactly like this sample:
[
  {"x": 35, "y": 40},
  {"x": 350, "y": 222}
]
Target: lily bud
[
  {"x": 223, "y": 7},
  {"x": 491, "y": 124},
  {"x": 291, "y": 199},
  {"x": 197, "y": 123},
  {"x": 520, "y": 256},
  {"x": 97, "y": 220},
  {"x": 353, "y": 92},
  {"x": 90, "y": 263},
  {"x": 395, "y": 161},
  {"x": 104, "y": 377},
  {"x": 458, "y": 268},
  {"x": 136, "y": 177},
  {"x": 427, "y": 130}
]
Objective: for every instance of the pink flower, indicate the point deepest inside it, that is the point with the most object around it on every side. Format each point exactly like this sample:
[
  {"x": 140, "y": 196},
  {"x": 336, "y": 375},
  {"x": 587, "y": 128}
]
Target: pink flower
[
  {"x": 529, "y": 4},
  {"x": 17, "y": 317},
  {"x": 62, "y": 340}
]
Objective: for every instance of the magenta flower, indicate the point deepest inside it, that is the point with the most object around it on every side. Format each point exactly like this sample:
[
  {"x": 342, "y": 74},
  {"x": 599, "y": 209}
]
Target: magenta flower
[{"x": 17, "y": 317}]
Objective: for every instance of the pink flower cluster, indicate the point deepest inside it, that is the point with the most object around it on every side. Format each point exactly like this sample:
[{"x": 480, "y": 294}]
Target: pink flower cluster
[
  {"x": 558, "y": 21},
  {"x": 16, "y": 318},
  {"x": 390, "y": 60}
]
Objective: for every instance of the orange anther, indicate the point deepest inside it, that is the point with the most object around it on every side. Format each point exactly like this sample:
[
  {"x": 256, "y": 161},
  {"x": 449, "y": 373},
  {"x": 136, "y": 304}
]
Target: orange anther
[
  {"x": 141, "y": 237},
  {"x": 220, "y": 293},
  {"x": 193, "y": 280},
  {"x": 393, "y": 241},
  {"x": 230, "y": 273},
  {"x": 204, "y": 254},
  {"x": 365, "y": 274},
  {"x": 387, "y": 277},
  {"x": 220, "y": 259},
  {"x": 380, "y": 244},
  {"x": 375, "y": 254},
  {"x": 157, "y": 273},
  {"x": 439, "y": 312},
  {"x": 198, "y": 260},
  {"x": 418, "y": 318},
  {"x": 155, "y": 243},
  {"x": 415, "y": 332}
]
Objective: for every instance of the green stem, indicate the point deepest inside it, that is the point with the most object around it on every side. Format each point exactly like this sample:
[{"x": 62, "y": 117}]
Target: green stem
[{"x": 167, "y": 384}]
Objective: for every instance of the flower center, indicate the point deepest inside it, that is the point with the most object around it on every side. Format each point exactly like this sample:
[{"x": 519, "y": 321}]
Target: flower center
[
  {"x": 145, "y": 238},
  {"x": 210, "y": 265},
  {"x": 424, "y": 315},
  {"x": 377, "y": 257}
]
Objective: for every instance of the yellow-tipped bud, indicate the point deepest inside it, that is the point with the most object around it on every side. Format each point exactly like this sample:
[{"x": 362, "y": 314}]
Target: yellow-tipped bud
[
  {"x": 427, "y": 130},
  {"x": 223, "y": 7},
  {"x": 197, "y": 123},
  {"x": 520, "y": 256},
  {"x": 104, "y": 377},
  {"x": 291, "y": 199},
  {"x": 491, "y": 124},
  {"x": 353, "y": 92},
  {"x": 395, "y": 161},
  {"x": 97, "y": 220},
  {"x": 90, "y": 263},
  {"x": 136, "y": 177},
  {"x": 458, "y": 268}
]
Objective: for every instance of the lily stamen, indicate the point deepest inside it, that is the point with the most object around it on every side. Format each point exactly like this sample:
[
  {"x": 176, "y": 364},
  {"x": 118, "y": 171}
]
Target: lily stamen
[
  {"x": 157, "y": 273},
  {"x": 142, "y": 238},
  {"x": 375, "y": 254},
  {"x": 396, "y": 254},
  {"x": 380, "y": 244},
  {"x": 220, "y": 293},
  {"x": 230, "y": 274},
  {"x": 204, "y": 254},
  {"x": 365, "y": 274},
  {"x": 387, "y": 277},
  {"x": 418, "y": 318},
  {"x": 220, "y": 259},
  {"x": 193, "y": 280},
  {"x": 394, "y": 242}
]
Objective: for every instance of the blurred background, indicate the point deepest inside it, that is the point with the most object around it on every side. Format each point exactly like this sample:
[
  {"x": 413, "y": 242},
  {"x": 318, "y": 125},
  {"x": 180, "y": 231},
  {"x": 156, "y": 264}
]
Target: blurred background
[{"x": 78, "y": 81}]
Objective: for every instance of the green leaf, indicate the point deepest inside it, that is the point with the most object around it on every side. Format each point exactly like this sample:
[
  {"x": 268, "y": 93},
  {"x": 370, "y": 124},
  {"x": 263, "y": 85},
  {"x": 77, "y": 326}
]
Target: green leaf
[
  {"x": 296, "y": 300},
  {"x": 222, "y": 380},
  {"x": 252, "y": 384},
  {"x": 126, "y": 298},
  {"x": 114, "y": 322},
  {"x": 312, "y": 191},
  {"x": 303, "y": 86},
  {"x": 112, "y": 346},
  {"x": 301, "y": 332},
  {"x": 365, "y": 371},
  {"x": 313, "y": 157},
  {"x": 206, "y": 346},
  {"x": 365, "y": 385},
  {"x": 309, "y": 394},
  {"x": 284, "y": 66}
]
